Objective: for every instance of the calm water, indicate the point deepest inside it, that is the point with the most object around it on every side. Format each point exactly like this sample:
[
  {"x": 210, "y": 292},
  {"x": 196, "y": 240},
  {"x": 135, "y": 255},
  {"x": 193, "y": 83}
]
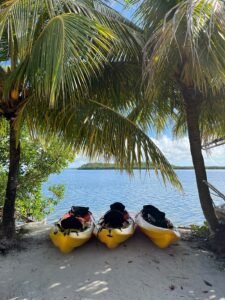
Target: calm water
[{"x": 99, "y": 188}]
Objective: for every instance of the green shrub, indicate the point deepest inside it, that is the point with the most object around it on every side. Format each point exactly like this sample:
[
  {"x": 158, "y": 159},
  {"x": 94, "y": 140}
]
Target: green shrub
[
  {"x": 200, "y": 230},
  {"x": 38, "y": 161}
]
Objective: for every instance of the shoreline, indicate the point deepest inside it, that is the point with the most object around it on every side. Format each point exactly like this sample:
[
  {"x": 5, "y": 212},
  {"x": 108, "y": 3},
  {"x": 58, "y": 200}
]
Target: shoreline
[
  {"x": 118, "y": 169},
  {"x": 134, "y": 270},
  {"x": 112, "y": 166}
]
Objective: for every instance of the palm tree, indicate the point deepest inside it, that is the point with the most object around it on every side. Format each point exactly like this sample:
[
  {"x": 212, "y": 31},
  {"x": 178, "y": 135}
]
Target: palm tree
[
  {"x": 184, "y": 66},
  {"x": 69, "y": 77}
]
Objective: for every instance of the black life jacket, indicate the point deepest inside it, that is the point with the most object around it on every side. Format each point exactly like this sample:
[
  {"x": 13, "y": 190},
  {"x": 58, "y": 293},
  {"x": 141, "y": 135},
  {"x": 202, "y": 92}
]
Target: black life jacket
[
  {"x": 114, "y": 218},
  {"x": 71, "y": 223},
  {"x": 154, "y": 216},
  {"x": 79, "y": 211},
  {"x": 118, "y": 206}
]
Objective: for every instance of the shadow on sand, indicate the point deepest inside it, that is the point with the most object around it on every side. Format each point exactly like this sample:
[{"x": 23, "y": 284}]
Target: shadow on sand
[{"x": 135, "y": 270}]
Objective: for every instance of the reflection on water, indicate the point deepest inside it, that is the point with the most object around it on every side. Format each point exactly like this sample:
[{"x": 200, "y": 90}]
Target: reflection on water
[{"x": 99, "y": 188}]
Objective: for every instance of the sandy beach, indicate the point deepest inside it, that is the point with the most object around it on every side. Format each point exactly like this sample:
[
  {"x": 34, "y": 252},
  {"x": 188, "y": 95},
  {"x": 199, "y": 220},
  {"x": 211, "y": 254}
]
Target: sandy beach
[{"x": 135, "y": 270}]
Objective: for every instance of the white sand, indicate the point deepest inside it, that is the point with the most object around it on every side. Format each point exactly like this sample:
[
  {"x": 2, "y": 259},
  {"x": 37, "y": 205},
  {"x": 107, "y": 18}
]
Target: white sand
[{"x": 135, "y": 270}]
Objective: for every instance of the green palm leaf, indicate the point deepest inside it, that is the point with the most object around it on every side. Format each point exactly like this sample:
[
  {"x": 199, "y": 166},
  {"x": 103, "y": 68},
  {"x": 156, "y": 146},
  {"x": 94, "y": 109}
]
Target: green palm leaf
[
  {"x": 190, "y": 45},
  {"x": 150, "y": 13},
  {"x": 99, "y": 131},
  {"x": 68, "y": 52},
  {"x": 74, "y": 37}
]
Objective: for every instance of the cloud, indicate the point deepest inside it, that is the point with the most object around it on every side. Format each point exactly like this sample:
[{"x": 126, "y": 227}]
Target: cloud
[{"x": 177, "y": 151}]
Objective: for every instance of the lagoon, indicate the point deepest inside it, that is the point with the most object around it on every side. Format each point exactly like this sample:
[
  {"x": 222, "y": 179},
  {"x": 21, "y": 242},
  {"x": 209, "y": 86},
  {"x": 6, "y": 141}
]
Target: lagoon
[{"x": 97, "y": 189}]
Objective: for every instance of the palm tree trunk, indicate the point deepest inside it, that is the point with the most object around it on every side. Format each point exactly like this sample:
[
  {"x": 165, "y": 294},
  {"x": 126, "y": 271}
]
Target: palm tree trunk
[
  {"x": 8, "y": 220},
  {"x": 193, "y": 101}
]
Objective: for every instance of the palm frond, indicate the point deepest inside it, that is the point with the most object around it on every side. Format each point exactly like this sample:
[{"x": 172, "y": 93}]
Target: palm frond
[
  {"x": 119, "y": 85},
  {"x": 212, "y": 122},
  {"x": 70, "y": 50},
  {"x": 77, "y": 39},
  {"x": 73, "y": 63},
  {"x": 150, "y": 13},
  {"x": 111, "y": 14},
  {"x": 23, "y": 20},
  {"x": 186, "y": 48},
  {"x": 156, "y": 111},
  {"x": 19, "y": 18},
  {"x": 99, "y": 131},
  {"x": 190, "y": 46}
]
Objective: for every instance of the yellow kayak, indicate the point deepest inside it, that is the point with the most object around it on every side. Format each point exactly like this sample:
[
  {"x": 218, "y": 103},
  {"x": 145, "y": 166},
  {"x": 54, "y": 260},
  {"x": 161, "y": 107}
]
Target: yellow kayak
[
  {"x": 112, "y": 238},
  {"x": 67, "y": 242},
  {"x": 161, "y": 237}
]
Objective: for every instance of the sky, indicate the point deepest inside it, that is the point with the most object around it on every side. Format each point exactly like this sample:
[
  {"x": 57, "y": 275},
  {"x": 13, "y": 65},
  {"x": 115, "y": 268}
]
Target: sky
[{"x": 177, "y": 151}]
